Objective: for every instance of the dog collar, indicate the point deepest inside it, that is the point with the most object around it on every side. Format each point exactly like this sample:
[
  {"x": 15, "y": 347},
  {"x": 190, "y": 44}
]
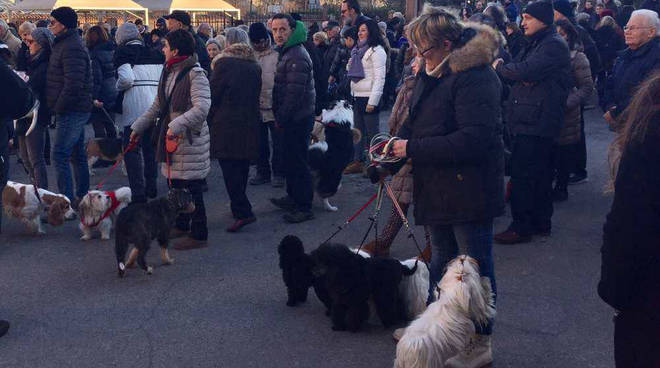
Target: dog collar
[{"x": 113, "y": 206}]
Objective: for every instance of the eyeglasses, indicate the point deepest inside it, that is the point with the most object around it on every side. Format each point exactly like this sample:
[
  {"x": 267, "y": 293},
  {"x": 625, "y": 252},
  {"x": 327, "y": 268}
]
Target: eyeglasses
[
  {"x": 633, "y": 28},
  {"x": 424, "y": 51}
]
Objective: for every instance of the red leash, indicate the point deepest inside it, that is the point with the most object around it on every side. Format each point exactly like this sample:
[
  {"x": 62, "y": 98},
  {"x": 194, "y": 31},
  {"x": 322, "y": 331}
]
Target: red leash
[
  {"x": 350, "y": 219},
  {"x": 115, "y": 204},
  {"x": 130, "y": 146}
]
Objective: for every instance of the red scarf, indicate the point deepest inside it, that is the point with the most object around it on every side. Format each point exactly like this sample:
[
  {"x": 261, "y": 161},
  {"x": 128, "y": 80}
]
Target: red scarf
[{"x": 175, "y": 60}]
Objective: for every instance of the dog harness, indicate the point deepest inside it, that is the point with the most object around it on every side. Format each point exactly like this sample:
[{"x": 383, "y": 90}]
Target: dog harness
[{"x": 113, "y": 206}]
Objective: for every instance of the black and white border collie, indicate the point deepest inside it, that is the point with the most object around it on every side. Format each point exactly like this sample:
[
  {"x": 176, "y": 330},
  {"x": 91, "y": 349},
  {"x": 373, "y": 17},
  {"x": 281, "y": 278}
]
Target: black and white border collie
[{"x": 333, "y": 150}]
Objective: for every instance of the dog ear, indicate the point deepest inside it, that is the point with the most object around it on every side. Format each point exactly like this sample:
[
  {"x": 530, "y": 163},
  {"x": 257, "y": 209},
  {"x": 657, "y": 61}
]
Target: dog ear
[
  {"x": 85, "y": 207},
  {"x": 56, "y": 213}
]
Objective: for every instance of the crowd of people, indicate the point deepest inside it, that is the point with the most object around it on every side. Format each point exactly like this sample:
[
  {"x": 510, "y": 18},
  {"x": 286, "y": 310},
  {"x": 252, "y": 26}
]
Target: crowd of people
[{"x": 497, "y": 90}]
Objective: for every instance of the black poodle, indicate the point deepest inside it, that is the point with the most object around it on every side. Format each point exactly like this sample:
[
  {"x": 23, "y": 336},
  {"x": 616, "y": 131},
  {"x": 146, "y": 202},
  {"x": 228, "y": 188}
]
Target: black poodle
[
  {"x": 347, "y": 285},
  {"x": 299, "y": 273}
]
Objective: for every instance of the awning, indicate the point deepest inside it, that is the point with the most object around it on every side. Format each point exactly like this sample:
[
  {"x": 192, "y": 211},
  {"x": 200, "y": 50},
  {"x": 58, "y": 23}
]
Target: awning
[
  {"x": 189, "y": 5},
  {"x": 47, "y": 5}
]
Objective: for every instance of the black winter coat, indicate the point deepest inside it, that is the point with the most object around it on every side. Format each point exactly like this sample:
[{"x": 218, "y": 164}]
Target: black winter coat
[
  {"x": 37, "y": 69},
  {"x": 454, "y": 134},
  {"x": 294, "y": 96},
  {"x": 202, "y": 55},
  {"x": 516, "y": 42},
  {"x": 630, "y": 69},
  {"x": 330, "y": 53},
  {"x": 630, "y": 270},
  {"x": 103, "y": 74},
  {"x": 235, "y": 113},
  {"x": 609, "y": 44},
  {"x": 320, "y": 78},
  {"x": 541, "y": 76},
  {"x": 69, "y": 87},
  {"x": 590, "y": 49},
  {"x": 652, "y": 5}
]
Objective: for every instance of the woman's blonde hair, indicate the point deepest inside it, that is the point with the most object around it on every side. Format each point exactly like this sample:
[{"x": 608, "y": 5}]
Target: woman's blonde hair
[
  {"x": 320, "y": 37},
  {"x": 434, "y": 26},
  {"x": 644, "y": 110}
]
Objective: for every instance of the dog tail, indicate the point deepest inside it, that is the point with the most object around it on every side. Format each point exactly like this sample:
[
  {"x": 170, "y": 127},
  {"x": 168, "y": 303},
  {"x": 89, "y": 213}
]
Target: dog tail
[
  {"x": 316, "y": 155},
  {"x": 409, "y": 271}
]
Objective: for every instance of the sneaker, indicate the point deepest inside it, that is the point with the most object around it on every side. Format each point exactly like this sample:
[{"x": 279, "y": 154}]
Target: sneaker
[
  {"x": 355, "y": 167},
  {"x": 285, "y": 203},
  {"x": 577, "y": 179},
  {"x": 4, "y": 327},
  {"x": 240, "y": 223},
  {"x": 176, "y": 233},
  {"x": 278, "y": 182},
  {"x": 398, "y": 333},
  {"x": 476, "y": 354},
  {"x": 259, "y": 179},
  {"x": 296, "y": 217},
  {"x": 189, "y": 243},
  {"x": 511, "y": 237}
]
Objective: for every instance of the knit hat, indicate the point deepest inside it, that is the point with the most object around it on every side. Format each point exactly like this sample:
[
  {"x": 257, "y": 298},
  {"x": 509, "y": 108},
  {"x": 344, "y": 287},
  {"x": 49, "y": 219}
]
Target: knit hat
[
  {"x": 541, "y": 10},
  {"x": 564, "y": 7},
  {"x": 127, "y": 32},
  {"x": 66, "y": 16},
  {"x": 258, "y": 32},
  {"x": 44, "y": 37}
]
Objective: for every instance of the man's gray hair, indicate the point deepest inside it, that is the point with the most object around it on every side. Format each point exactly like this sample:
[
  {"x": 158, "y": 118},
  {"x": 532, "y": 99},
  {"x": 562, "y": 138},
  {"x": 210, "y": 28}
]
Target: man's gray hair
[
  {"x": 236, "y": 35},
  {"x": 651, "y": 19}
]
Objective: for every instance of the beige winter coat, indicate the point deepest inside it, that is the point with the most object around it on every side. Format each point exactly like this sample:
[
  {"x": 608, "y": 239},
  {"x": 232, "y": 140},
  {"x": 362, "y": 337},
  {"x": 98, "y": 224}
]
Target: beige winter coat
[
  {"x": 268, "y": 62},
  {"x": 187, "y": 119},
  {"x": 571, "y": 131}
]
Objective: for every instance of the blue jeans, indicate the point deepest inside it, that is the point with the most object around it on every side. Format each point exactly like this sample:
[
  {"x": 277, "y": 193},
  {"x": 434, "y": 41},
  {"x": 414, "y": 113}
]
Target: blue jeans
[
  {"x": 70, "y": 147},
  {"x": 476, "y": 240}
]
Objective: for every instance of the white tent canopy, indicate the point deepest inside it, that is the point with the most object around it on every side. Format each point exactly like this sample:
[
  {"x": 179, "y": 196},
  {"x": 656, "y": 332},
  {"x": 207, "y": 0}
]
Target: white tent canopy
[
  {"x": 48, "y": 5},
  {"x": 189, "y": 5}
]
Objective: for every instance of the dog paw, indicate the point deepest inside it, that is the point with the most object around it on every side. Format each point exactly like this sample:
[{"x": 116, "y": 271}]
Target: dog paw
[
  {"x": 168, "y": 262},
  {"x": 121, "y": 271},
  {"x": 150, "y": 270},
  {"x": 85, "y": 237},
  {"x": 105, "y": 237},
  {"x": 330, "y": 208}
]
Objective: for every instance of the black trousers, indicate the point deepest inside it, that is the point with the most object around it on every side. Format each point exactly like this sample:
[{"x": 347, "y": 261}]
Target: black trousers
[
  {"x": 141, "y": 165},
  {"x": 4, "y": 161},
  {"x": 298, "y": 177},
  {"x": 581, "y": 152},
  {"x": 566, "y": 160},
  {"x": 339, "y": 155},
  {"x": 103, "y": 126},
  {"x": 264, "y": 164},
  {"x": 636, "y": 336},
  {"x": 196, "y": 221},
  {"x": 235, "y": 173},
  {"x": 532, "y": 173}
]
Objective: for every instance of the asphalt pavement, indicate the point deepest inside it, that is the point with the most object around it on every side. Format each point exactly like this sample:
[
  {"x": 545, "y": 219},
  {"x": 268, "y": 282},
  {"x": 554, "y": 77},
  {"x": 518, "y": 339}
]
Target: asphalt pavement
[{"x": 224, "y": 306}]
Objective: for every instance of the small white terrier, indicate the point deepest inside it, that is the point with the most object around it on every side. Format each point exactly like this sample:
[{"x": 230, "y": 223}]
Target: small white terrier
[
  {"x": 445, "y": 328},
  {"x": 98, "y": 210}
]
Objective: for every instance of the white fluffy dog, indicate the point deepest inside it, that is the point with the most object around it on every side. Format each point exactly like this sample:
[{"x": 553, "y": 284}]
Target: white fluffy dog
[
  {"x": 98, "y": 210},
  {"x": 446, "y": 326},
  {"x": 414, "y": 290}
]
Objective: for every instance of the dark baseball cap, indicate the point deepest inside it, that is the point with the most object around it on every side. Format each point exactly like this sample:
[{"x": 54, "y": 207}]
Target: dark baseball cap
[{"x": 181, "y": 16}]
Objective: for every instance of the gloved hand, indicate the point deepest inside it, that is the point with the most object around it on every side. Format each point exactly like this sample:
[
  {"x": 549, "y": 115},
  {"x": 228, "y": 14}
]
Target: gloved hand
[{"x": 376, "y": 173}]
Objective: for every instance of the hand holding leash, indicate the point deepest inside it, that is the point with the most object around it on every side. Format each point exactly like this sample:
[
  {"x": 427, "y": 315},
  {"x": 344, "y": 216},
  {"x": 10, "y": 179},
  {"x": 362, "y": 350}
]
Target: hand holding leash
[
  {"x": 135, "y": 137},
  {"x": 399, "y": 147}
]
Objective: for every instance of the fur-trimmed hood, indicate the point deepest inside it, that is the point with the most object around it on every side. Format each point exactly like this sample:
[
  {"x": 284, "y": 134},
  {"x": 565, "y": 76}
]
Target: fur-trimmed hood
[
  {"x": 479, "y": 50},
  {"x": 239, "y": 51}
]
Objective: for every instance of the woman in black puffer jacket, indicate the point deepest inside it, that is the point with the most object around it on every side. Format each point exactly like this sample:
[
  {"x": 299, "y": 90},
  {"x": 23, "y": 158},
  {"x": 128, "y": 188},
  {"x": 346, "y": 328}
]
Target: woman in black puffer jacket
[
  {"x": 34, "y": 145},
  {"x": 104, "y": 91}
]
